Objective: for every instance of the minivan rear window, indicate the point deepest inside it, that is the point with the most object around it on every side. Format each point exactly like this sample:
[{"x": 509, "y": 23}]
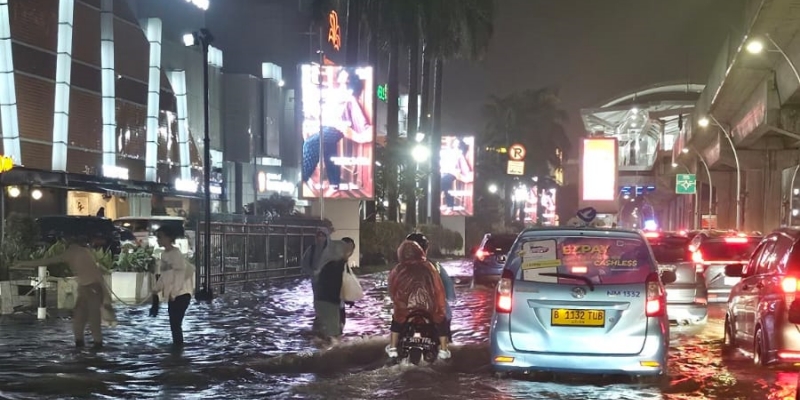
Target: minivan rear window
[
  {"x": 571, "y": 260},
  {"x": 500, "y": 243},
  {"x": 670, "y": 251}
]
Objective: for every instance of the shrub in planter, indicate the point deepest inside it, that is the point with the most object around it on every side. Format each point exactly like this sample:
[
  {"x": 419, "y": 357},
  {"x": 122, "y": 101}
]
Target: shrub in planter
[
  {"x": 139, "y": 259},
  {"x": 381, "y": 238}
]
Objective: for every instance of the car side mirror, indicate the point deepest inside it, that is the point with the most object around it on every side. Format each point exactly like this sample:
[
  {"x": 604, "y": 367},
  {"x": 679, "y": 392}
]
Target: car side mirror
[
  {"x": 668, "y": 276},
  {"x": 734, "y": 270}
]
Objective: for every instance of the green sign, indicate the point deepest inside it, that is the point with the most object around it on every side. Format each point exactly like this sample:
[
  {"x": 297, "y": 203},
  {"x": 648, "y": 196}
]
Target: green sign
[
  {"x": 685, "y": 183},
  {"x": 382, "y": 91}
]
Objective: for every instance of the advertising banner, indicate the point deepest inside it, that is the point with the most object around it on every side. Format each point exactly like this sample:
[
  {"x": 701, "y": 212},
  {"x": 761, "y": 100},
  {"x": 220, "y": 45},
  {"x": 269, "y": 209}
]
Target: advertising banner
[
  {"x": 458, "y": 173},
  {"x": 599, "y": 169},
  {"x": 344, "y": 119}
]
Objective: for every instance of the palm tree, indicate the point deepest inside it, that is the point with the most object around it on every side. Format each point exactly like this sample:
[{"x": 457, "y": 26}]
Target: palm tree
[
  {"x": 451, "y": 29},
  {"x": 532, "y": 118}
]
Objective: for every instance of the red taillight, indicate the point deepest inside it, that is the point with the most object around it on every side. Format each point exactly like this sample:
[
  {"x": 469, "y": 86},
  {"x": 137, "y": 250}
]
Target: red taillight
[
  {"x": 651, "y": 234},
  {"x": 789, "y": 285},
  {"x": 738, "y": 239},
  {"x": 504, "y": 289},
  {"x": 697, "y": 257},
  {"x": 656, "y": 305},
  {"x": 481, "y": 254}
]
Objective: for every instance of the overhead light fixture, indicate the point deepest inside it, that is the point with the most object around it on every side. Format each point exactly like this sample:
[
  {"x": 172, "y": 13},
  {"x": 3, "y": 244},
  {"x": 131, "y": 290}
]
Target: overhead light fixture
[{"x": 703, "y": 122}]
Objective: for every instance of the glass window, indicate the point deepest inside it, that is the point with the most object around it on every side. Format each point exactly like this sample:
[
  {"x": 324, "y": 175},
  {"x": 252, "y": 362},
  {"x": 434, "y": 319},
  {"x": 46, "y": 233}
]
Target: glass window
[
  {"x": 500, "y": 243},
  {"x": 571, "y": 260},
  {"x": 669, "y": 251},
  {"x": 728, "y": 249}
]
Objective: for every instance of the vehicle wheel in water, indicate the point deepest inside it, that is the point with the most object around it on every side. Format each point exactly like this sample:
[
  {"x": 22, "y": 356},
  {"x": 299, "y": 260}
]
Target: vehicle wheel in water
[
  {"x": 414, "y": 356},
  {"x": 758, "y": 348},
  {"x": 728, "y": 341}
]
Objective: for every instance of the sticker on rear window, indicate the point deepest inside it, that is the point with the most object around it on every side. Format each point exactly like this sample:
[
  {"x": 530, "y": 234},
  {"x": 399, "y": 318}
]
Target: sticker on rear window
[{"x": 539, "y": 254}]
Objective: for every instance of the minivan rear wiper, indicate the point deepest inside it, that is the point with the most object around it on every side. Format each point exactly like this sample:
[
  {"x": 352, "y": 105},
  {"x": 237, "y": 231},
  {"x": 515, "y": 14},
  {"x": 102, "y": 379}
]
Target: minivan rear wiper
[{"x": 570, "y": 276}]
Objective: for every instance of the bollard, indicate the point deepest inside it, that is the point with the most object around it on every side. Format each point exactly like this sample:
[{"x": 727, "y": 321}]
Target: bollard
[{"x": 42, "y": 286}]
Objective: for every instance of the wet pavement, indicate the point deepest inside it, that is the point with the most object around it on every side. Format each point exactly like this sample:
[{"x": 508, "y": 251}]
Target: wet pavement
[{"x": 257, "y": 346}]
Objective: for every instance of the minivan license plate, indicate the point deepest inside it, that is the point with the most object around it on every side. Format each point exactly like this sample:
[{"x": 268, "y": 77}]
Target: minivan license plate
[{"x": 590, "y": 318}]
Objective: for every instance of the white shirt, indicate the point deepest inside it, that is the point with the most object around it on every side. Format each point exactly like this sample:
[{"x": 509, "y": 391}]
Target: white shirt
[{"x": 177, "y": 275}]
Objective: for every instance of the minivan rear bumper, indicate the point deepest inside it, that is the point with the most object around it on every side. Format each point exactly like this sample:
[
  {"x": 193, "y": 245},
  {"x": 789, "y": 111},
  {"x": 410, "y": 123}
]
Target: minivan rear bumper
[
  {"x": 483, "y": 271},
  {"x": 687, "y": 313},
  {"x": 655, "y": 349}
]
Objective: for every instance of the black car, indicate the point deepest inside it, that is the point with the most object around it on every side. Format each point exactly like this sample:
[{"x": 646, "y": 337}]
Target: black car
[
  {"x": 100, "y": 231},
  {"x": 490, "y": 256}
]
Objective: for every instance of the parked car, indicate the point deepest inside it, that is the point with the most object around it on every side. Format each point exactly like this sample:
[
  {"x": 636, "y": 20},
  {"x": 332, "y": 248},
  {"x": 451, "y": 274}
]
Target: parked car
[
  {"x": 100, "y": 232},
  {"x": 581, "y": 300},
  {"x": 144, "y": 229},
  {"x": 687, "y": 297},
  {"x": 490, "y": 257},
  {"x": 712, "y": 250},
  {"x": 757, "y": 312}
]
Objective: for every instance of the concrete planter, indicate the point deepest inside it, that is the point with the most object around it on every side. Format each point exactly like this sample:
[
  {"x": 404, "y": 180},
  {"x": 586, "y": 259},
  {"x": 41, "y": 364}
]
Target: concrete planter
[{"x": 131, "y": 286}]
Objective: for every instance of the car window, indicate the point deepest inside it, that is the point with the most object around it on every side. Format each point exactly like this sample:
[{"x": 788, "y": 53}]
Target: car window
[
  {"x": 571, "y": 260},
  {"x": 728, "y": 249},
  {"x": 752, "y": 264},
  {"x": 671, "y": 251},
  {"x": 500, "y": 243},
  {"x": 765, "y": 258},
  {"x": 133, "y": 225}
]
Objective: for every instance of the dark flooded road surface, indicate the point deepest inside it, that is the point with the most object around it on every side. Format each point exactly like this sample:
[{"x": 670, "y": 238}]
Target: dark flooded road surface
[{"x": 256, "y": 346}]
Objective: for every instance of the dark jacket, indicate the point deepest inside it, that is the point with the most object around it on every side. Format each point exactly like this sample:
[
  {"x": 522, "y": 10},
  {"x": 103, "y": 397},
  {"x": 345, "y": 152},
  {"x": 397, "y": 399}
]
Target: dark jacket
[{"x": 329, "y": 282}]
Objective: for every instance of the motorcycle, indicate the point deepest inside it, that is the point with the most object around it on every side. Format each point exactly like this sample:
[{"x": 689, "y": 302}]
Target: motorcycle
[{"x": 419, "y": 339}]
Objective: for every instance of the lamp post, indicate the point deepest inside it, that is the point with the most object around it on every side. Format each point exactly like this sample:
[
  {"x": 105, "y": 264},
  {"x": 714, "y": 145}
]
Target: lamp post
[
  {"x": 203, "y": 39},
  {"x": 420, "y": 153},
  {"x": 708, "y": 173},
  {"x": 704, "y": 122},
  {"x": 695, "y": 221},
  {"x": 756, "y": 46}
]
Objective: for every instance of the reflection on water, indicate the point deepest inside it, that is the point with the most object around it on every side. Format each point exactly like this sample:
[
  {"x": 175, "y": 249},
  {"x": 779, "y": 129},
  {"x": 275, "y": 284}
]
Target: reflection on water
[{"x": 257, "y": 346}]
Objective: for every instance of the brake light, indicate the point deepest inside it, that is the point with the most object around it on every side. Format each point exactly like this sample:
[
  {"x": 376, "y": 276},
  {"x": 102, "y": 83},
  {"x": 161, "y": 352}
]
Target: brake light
[
  {"x": 683, "y": 233},
  {"x": 580, "y": 270},
  {"x": 656, "y": 304},
  {"x": 481, "y": 254},
  {"x": 651, "y": 234},
  {"x": 738, "y": 239},
  {"x": 504, "y": 289},
  {"x": 697, "y": 257},
  {"x": 789, "y": 285}
]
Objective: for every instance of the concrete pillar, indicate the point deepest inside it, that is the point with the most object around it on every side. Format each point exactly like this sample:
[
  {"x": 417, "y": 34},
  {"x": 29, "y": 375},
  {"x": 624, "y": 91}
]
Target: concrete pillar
[
  {"x": 725, "y": 188},
  {"x": 346, "y": 221}
]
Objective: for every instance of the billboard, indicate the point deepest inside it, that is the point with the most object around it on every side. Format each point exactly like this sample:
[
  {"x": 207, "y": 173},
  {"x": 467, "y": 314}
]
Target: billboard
[
  {"x": 341, "y": 164},
  {"x": 598, "y": 183},
  {"x": 457, "y": 163}
]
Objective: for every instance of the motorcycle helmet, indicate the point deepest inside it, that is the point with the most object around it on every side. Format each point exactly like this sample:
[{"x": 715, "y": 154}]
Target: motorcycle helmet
[{"x": 420, "y": 239}]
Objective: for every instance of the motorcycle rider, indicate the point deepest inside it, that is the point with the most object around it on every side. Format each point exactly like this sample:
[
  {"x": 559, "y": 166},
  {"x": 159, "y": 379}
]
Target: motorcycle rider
[
  {"x": 415, "y": 285},
  {"x": 447, "y": 281}
]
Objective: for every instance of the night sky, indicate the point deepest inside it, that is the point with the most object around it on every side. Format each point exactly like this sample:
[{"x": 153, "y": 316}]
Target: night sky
[{"x": 593, "y": 50}]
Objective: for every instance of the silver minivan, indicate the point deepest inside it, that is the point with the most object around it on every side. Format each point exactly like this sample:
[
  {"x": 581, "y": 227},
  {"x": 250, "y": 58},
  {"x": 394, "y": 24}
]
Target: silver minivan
[
  {"x": 757, "y": 313},
  {"x": 581, "y": 300}
]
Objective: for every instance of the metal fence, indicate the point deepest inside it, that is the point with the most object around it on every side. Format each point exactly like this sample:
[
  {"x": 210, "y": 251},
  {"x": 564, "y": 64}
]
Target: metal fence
[{"x": 246, "y": 253}]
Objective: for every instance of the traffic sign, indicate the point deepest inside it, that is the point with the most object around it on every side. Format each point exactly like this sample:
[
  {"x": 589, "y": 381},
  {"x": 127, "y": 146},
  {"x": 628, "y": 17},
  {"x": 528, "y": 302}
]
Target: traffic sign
[
  {"x": 516, "y": 152},
  {"x": 515, "y": 167},
  {"x": 685, "y": 183}
]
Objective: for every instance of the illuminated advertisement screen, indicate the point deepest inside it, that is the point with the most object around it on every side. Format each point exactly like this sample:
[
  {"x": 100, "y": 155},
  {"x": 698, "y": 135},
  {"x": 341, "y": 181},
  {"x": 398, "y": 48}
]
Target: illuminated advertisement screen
[
  {"x": 457, "y": 164},
  {"x": 548, "y": 198},
  {"x": 599, "y": 173},
  {"x": 344, "y": 121}
]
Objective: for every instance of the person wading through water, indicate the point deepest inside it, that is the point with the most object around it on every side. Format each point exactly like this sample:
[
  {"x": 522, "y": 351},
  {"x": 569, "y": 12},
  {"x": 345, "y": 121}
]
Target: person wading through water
[
  {"x": 311, "y": 263},
  {"x": 93, "y": 303}
]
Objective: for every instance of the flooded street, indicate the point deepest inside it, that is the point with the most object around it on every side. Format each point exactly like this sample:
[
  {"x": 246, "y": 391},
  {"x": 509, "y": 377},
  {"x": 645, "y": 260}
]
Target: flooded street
[{"x": 257, "y": 346}]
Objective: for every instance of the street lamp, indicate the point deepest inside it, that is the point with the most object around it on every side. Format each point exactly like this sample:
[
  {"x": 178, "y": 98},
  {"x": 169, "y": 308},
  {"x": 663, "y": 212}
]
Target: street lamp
[
  {"x": 492, "y": 188},
  {"x": 706, "y": 121},
  {"x": 420, "y": 153},
  {"x": 203, "y": 38},
  {"x": 756, "y": 46}
]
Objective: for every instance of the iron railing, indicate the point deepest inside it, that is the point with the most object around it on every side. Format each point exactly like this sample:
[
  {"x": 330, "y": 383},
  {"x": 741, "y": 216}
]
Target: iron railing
[{"x": 244, "y": 254}]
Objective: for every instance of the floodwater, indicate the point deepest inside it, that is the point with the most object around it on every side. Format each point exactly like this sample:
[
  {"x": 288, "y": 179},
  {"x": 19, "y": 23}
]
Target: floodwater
[{"x": 257, "y": 346}]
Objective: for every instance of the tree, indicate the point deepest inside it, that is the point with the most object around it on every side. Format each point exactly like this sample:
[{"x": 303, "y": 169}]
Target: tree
[
  {"x": 451, "y": 29},
  {"x": 532, "y": 118}
]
